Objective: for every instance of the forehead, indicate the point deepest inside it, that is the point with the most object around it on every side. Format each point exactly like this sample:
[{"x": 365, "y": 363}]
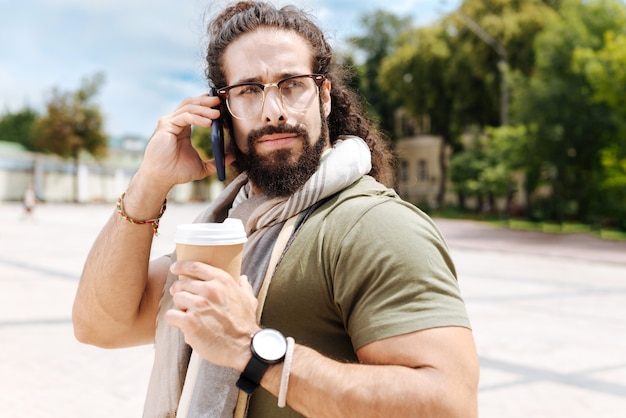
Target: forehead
[{"x": 267, "y": 55}]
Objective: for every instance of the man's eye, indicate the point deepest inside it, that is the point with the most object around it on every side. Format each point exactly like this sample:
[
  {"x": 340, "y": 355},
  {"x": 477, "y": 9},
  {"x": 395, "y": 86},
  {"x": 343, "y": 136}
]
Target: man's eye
[
  {"x": 293, "y": 84},
  {"x": 249, "y": 90}
]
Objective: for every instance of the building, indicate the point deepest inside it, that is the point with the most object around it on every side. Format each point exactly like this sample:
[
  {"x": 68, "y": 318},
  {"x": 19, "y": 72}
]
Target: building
[
  {"x": 419, "y": 169},
  {"x": 59, "y": 180}
]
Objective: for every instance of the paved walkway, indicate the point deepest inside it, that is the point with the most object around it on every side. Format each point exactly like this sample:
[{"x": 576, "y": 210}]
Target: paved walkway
[{"x": 549, "y": 316}]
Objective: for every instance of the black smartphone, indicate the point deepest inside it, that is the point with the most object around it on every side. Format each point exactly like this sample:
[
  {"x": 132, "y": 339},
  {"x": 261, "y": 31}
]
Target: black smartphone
[{"x": 217, "y": 141}]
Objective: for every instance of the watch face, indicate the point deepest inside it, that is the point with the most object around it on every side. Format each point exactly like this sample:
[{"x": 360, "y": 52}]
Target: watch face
[{"x": 270, "y": 345}]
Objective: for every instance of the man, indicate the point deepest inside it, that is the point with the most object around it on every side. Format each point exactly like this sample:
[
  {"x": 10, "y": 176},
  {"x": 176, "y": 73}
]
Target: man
[{"x": 364, "y": 285}]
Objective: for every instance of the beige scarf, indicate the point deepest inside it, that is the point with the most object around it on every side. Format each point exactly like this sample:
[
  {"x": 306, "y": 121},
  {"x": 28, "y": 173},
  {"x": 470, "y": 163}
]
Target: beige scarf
[{"x": 215, "y": 393}]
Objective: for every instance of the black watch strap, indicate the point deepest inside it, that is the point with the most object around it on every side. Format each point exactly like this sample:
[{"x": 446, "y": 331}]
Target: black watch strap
[{"x": 251, "y": 377}]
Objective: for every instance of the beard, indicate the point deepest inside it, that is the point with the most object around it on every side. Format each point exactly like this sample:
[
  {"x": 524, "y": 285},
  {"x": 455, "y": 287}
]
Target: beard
[{"x": 282, "y": 172}]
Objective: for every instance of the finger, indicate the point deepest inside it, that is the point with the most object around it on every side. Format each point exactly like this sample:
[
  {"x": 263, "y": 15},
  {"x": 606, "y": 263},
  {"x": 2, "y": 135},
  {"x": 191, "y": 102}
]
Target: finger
[
  {"x": 184, "y": 301},
  {"x": 203, "y": 100},
  {"x": 191, "y": 115},
  {"x": 229, "y": 159},
  {"x": 198, "y": 270},
  {"x": 211, "y": 167},
  {"x": 198, "y": 111},
  {"x": 174, "y": 317},
  {"x": 188, "y": 323},
  {"x": 188, "y": 285},
  {"x": 178, "y": 318},
  {"x": 203, "y": 105}
]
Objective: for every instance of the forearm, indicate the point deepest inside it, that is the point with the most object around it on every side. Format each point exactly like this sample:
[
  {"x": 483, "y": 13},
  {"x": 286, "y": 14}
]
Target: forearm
[
  {"x": 112, "y": 293},
  {"x": 321, "y": 387},
  {"x": 119, "y": 292}
]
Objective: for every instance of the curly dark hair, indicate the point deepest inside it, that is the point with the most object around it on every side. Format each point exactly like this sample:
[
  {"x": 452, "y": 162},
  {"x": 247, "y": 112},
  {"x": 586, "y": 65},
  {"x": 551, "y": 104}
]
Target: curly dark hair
[{"x": 347, "y": 117}]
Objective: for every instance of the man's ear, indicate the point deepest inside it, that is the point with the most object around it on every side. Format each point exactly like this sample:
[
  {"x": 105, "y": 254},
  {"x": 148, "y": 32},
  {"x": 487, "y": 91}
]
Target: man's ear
[{"x": 326, "y": 97}]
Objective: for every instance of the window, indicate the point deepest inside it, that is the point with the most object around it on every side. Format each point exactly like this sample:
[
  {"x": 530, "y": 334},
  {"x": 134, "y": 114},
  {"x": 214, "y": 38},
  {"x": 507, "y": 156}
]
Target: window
[
  {"x": 403, "y": 171},
  {"x": 422, "y": 170}
]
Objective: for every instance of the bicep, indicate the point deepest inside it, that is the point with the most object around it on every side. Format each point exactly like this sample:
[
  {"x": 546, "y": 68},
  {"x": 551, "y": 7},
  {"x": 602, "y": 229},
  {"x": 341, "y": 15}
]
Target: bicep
[
  {"x": 449, "y": 350},
  {"x": 149, "y": 307},
  {"x": 438, "y": 368}
]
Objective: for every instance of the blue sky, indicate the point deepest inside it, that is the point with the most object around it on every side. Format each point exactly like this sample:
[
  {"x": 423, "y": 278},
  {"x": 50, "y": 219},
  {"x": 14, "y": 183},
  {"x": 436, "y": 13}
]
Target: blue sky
[{"x": 149, "y": 50}]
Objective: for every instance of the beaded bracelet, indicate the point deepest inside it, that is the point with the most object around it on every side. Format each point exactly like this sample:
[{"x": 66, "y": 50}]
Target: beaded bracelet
[{"x": 154, "y": 222}]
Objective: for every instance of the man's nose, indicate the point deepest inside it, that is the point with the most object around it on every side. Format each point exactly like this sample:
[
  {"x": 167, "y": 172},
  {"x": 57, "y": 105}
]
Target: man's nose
[{"x": 273, "y": 111}]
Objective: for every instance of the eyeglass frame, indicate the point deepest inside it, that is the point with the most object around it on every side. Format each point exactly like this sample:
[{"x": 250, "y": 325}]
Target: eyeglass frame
[{"x": 318, "y": 79}]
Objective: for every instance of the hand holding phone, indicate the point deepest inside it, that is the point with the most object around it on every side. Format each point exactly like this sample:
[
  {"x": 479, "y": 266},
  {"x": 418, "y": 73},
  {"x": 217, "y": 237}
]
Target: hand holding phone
[{"x": 217, "y": 141}]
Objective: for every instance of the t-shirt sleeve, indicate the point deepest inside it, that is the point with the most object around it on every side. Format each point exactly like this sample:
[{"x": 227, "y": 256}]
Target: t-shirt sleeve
[{"x": 392, "y": 274}]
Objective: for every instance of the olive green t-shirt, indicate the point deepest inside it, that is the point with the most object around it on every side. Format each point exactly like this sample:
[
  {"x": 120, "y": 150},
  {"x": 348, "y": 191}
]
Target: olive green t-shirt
[{"x": 365, "y": 266}]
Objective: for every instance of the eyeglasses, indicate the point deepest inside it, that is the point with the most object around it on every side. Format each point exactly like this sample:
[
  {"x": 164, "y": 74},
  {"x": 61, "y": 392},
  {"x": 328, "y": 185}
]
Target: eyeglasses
[{"x": 298, "y": 93}]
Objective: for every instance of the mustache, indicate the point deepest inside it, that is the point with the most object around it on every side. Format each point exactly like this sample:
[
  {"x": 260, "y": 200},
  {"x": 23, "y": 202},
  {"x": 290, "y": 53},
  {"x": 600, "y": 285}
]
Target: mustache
[{"x": 256, "y": 134}]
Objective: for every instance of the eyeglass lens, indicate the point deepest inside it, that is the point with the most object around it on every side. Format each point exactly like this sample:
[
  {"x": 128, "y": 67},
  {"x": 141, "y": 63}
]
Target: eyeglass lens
[{"x": 297, "y": 93}]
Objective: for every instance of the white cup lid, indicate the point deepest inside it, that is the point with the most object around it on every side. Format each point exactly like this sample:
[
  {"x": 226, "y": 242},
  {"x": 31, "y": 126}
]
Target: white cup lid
[{"x": 230, "y": 232}]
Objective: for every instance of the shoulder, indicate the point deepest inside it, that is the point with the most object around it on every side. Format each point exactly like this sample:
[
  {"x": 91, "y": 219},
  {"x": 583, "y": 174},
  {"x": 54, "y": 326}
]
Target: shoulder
[
  {"x": 359, "y": 198},
  {"x": 368, "y": 208},
  {"x": 388, "y": 265}
]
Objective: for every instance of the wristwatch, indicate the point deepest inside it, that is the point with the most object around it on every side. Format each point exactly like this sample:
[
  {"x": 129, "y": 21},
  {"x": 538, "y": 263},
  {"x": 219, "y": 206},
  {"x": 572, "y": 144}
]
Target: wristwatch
[{"x": 268, "y": 347}]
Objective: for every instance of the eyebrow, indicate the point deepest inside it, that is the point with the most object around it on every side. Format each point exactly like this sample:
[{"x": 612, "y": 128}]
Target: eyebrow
[{"x": 258, "y": 79}]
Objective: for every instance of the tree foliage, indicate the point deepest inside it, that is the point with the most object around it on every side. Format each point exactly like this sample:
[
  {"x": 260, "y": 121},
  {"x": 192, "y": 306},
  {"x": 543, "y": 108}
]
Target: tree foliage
[
  {"x": 417, "y": 76},
  {"x": 18, "y": 127},
  {"x": 381, "y": 31},
  {"x": 487, "y": 166},
  {"x": 572, "y": 127},
  {"x": 452, "y": 75},
  {"x": 449, "y": 74},
  {"x": 605, "y": 70},
  {"x": 564, "y": 72},
  {"x": 72, "y": 122}
]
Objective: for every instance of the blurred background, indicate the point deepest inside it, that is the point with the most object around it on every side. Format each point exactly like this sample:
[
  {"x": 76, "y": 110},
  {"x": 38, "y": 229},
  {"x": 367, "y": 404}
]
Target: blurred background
[
  {"x": 508, "y": 121},
  {"x": 504, "y": 109}
]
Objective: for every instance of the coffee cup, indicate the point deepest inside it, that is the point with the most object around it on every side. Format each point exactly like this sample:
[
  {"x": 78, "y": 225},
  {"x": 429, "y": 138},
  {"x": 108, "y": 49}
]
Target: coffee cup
[{"x": 217, "y": 244}]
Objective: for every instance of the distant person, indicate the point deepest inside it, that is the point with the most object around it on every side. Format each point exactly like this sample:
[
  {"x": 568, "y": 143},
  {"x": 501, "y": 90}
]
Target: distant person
[
  {"x": 365, "y": 284},
  {"x": 29, "y": 200}
]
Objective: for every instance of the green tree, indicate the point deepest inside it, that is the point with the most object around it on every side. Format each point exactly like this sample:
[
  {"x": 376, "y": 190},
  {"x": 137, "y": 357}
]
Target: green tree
[
  {"x": 18, "y": 127},
  {"x": 513, "y": 24},
  {"x": 382, "y": 30},
  {"x": 72, "y": 124},
  {"x": 417, "y": 75},
  {"x": 487, "y": 165},
  {"x": 201, "y": 141},
  {"x": 613, "y": 160},
  {"x": 450, "y": 75},
  {"x": 571, "y": 128},
  {"x": 605, "y": 69},
  {"x": 466, "y": 167}
]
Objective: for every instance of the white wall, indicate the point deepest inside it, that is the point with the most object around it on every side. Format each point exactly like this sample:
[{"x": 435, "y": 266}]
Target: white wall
[{"x": 54, "y": 180}]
